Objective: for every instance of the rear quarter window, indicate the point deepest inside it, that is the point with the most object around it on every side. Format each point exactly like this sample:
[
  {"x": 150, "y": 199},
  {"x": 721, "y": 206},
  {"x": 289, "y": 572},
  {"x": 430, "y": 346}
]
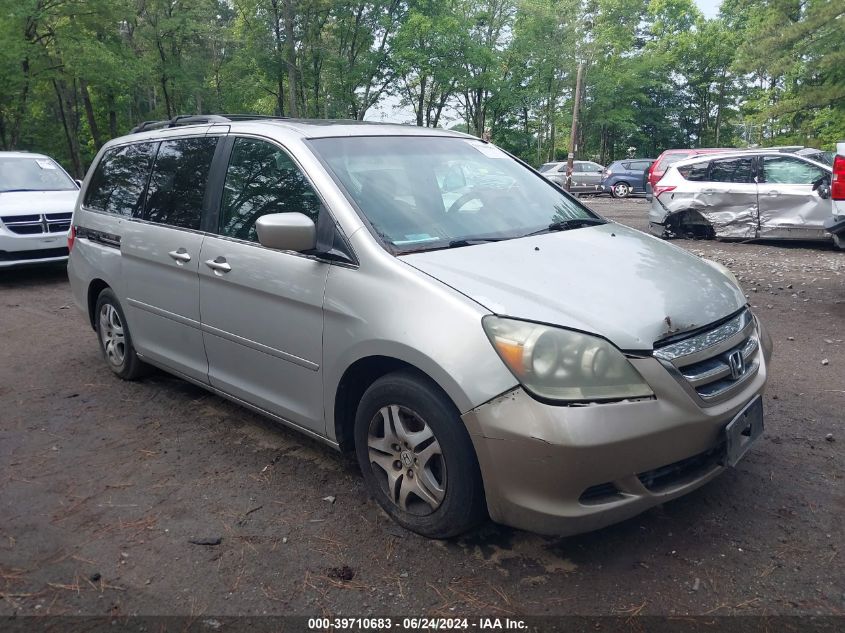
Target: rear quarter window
[
  {"x": 696, "y": 172},
  {"x": 120, "y": 178}
]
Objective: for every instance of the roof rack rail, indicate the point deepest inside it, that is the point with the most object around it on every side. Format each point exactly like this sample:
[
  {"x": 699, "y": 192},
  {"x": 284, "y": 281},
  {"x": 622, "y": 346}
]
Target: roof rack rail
[{"x": 198, "y": 119}]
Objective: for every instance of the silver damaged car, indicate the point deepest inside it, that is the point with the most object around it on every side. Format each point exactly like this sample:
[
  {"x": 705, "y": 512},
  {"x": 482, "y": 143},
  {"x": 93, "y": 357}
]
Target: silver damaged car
[
  {"x": 483, "y": 343},
  {"x": 743, "y": 195}
]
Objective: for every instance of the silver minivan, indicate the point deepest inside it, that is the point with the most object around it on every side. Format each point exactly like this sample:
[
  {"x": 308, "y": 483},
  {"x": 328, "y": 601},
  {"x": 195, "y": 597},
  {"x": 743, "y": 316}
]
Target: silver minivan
[{"x": 505, "y": 352}]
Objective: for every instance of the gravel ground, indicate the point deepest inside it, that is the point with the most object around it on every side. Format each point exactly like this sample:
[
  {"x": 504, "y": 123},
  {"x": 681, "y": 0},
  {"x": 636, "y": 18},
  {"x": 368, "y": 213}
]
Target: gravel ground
[{"x": 104, "y": 484}]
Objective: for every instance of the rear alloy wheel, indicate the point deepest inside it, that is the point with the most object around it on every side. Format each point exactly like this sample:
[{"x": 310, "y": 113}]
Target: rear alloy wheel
[
  {"x": 416, "y": 456},
  {"x": 621, "y": 190},
  {"x": 115, "y": 341}
]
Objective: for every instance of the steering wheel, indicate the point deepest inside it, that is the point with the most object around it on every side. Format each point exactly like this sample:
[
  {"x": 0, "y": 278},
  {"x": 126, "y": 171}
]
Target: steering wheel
[{"x": 471, "y": 195}]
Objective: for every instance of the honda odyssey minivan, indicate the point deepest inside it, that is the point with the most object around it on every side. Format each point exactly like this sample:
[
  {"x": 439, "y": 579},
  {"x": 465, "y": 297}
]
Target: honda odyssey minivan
[{"x": 502, "y": 352}]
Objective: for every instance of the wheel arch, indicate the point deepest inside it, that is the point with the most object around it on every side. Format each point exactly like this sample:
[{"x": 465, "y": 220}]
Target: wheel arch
[
  {"x": 689, "y": 223},
  {"x": 94, "y": 289},
  {"x": 355, "y": 380}
]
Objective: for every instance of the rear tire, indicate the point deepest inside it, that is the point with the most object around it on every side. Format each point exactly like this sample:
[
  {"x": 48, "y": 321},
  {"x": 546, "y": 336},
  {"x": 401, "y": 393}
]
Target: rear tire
[
  {"x": 417, "y": 458},
  {"x": 115, "y": 339}
]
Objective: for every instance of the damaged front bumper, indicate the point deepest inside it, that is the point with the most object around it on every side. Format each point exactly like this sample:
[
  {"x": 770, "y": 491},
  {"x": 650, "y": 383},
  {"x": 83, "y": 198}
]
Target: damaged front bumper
[{"x": 563, "y": 470}]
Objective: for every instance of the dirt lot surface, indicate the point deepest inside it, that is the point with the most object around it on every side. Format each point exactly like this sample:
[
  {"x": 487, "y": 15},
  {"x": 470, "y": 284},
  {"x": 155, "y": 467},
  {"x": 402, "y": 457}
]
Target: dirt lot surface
[{"x": 104, "y": 484}]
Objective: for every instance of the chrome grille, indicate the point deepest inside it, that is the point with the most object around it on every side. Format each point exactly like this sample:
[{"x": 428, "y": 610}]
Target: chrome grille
[
  {"x": 715, "y": 363},
  {"x": 37, "y": 223}
]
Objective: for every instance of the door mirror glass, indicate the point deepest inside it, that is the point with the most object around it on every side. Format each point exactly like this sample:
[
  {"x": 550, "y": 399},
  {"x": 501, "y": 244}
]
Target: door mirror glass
[
  {"x": 287, "y": 232},
  {"x": 822, "y": 187}
]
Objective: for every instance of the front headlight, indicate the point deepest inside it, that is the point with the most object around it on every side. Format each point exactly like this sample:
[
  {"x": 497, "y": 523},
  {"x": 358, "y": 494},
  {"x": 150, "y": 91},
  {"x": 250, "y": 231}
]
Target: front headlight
[{"x": 564, "y": 365}]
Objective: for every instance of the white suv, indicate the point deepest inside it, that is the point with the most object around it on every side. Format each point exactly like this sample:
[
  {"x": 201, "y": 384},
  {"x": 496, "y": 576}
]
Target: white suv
[{"x": 37, "y": 198}]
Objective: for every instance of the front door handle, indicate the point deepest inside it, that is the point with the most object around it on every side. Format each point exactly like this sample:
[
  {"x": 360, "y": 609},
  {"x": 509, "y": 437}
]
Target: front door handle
[
  {"x": 218, "y": 265},
  {"x": 774, "y": 192},
  {"x": 180, "y": 255}
]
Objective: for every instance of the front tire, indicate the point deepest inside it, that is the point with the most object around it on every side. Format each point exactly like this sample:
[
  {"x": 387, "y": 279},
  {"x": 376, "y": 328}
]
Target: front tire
[
  {"x": 115, "y": 339},
  {"x": 417, "y": 458},
  {"x": 620, "y": 190}
]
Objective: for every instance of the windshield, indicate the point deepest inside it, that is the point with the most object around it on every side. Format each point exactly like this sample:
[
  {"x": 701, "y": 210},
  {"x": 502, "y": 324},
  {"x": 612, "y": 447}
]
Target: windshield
[
  {"x": 421, "y": 193},
  {"x": 33, "y": 174}
]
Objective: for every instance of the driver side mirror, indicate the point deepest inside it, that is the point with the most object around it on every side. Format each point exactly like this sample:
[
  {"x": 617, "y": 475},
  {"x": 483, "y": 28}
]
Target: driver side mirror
[
  {"x": 822, "y": 187},
  {"x": 287, "y": 232}
]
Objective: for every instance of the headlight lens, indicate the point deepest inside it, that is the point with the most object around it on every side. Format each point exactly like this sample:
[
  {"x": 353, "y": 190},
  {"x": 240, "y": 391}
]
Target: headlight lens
[{"x": 564, "y": 365}]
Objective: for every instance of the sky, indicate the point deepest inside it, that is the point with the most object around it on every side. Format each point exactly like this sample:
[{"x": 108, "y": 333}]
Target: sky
[{"x": 710, "y": 8}]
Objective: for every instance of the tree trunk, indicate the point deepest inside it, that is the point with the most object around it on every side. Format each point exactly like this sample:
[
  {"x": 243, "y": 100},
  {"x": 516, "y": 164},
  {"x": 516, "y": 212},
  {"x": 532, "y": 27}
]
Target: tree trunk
[
  {"x": 89, "y": 113},
  {"x": 290, "y": 48},
  {"x": 421, "y": 101},
  {"x": 112, "y": 114},
  {"x": 70, "y": 133}
]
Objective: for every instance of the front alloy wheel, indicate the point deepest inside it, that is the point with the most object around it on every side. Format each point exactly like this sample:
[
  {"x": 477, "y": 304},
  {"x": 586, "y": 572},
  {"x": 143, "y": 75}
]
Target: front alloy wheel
[
  {"x": 621, "y": 190},
  {"x": 416, "y": 456},
  {"x": 406, "y": 457}
]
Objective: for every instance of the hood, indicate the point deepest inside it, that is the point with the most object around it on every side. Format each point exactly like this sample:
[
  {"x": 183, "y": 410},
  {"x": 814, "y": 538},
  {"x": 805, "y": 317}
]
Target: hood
[
  {"x": 610, "y": 280},
  {"x": 27, "y": 202}
]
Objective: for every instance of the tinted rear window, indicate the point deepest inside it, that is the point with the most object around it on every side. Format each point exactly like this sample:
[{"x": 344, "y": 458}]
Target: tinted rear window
[
  {"x": 120, "y": 178},
  {"x": 177, "y": 184},
  {"x": 695, "y": 172}
]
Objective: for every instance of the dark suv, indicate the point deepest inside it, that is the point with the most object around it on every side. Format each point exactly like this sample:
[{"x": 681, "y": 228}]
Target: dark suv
[{"x": 623, "y": 178}]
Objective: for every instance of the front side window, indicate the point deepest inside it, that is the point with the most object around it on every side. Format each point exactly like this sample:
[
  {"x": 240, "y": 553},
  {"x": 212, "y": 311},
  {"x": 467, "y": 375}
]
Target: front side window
[
  {"x": 790, "y": 171},
  {"x": 732, "y": 170},
  {"x": 261, "y": 179},
  {"x": 33, "y": 174},
  {"x": 120, "y": 179},
  {"x": 177, "y": 184},
  {"x": 401, "y": 185}
]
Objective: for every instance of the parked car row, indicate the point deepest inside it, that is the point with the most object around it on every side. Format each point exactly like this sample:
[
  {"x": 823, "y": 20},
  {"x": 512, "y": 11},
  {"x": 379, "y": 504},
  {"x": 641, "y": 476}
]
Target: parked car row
[{"x": 415, "y": 296}]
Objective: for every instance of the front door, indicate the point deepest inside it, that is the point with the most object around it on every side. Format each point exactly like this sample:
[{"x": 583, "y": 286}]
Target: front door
[
  {"x": 788, "y": 205},
  {"x": 262, "y": 309},
  {"x": 161, "y": 257}
]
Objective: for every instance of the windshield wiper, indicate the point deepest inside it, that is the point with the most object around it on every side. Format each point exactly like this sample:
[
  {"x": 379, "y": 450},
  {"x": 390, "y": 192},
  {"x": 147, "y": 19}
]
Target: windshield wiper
[
  {"x": 565, "y": 225},
  {"x": 470, "y": 241}
]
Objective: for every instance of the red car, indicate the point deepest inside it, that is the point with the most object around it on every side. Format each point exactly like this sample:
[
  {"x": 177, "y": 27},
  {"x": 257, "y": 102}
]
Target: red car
[{"x": 659, "y": 167}]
